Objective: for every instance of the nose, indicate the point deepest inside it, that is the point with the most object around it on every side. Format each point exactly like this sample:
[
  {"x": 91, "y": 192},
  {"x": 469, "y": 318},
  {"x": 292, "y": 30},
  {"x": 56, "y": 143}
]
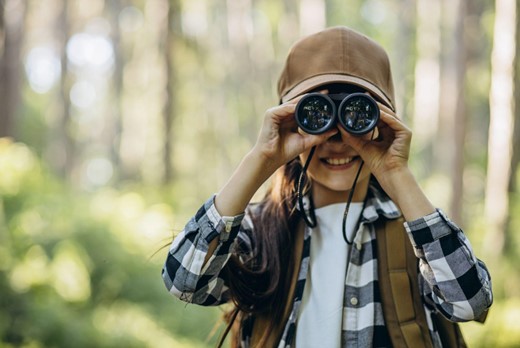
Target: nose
[
  {"x": 339, "y": 137},
  {"x": 336, "y": 138},
  {"x": 337, "y": 142}
]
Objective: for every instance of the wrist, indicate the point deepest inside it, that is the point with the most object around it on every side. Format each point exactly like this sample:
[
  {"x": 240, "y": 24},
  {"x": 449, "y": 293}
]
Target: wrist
[
  {"x": 394, "y": 181},
  {"x": 403, "y": 189},
  {"x": 266, "y": 163},
  {"x": 250, "y": 174}
]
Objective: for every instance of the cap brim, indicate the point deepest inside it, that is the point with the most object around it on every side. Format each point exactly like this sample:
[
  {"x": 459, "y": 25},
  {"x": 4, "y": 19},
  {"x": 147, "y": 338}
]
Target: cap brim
[{"x": 319, "y": 80}]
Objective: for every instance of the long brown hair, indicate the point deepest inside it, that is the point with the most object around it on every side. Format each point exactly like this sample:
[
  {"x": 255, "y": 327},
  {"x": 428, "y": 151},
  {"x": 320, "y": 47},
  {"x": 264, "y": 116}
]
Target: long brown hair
[{"x": 261, "y": 284}]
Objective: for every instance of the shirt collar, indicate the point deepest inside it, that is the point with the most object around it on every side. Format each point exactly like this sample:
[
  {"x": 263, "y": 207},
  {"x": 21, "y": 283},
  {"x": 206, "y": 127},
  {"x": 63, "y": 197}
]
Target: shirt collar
[{"x": 378, "y": 203}]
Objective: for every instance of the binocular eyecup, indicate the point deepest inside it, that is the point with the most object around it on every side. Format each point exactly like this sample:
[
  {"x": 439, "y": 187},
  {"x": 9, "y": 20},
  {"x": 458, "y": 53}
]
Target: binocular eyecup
[{"x": 357, "y": 113}]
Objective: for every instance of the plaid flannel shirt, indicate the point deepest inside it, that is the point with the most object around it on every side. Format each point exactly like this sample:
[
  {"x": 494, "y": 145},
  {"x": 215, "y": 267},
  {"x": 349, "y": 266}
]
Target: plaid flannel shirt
[{"x": 452, "y": 280}]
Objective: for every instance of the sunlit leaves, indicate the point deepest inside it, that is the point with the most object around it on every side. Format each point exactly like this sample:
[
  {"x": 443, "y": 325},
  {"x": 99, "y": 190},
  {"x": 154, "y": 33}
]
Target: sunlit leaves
[{"x": 17, "y": 165}]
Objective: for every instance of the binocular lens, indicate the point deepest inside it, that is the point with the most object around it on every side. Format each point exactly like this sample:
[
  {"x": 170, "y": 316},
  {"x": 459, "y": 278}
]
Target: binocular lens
[
  {"x": 316, "y": 113},
  {"x": 358, "y": 114}
]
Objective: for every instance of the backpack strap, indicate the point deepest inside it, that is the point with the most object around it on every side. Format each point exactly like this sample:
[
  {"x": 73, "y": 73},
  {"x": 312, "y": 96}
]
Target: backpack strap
[{"x": 401, "y": 300}]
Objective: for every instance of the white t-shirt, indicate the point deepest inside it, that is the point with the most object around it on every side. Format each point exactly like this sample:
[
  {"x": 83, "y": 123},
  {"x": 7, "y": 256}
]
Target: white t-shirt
[{"x": 321, "y": 312}]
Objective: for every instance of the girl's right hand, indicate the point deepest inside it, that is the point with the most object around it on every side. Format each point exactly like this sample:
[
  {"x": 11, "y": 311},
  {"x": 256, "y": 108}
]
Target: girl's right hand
[{"x": 280, "y": 140}]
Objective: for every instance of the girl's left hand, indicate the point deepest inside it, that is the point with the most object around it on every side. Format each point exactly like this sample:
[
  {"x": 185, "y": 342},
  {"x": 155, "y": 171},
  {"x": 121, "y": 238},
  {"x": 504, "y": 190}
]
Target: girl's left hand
[{"x": 388, "y": 153}]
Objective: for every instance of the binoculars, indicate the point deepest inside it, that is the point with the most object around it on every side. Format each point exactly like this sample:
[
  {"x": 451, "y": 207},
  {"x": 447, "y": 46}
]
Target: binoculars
[{"x": 316, "y": 113}]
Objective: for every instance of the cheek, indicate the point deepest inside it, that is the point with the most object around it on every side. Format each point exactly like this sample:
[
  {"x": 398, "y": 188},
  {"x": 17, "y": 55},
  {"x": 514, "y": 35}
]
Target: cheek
[{"x": 314, "y": 166}]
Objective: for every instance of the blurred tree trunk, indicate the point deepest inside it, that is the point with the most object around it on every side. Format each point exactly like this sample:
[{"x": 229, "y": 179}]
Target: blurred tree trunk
[
  {"x": 12, "y": 21},
  {"x": 4, "y": 117},
  {"x": 455, "y": 108},
  {"x": 404, "y": 55},
  {"x": 62, "y": 144},
  {"x": 172, "y": 18},
  {"x": 516, "y": 112},
  {"x": 312, "y": 16},
  {"x": 2, "y": 26},
  {"x": 113, "y": 135},
  {"x": 501, "y": 126},
  {"x": 289, "y": 27},
  {"x": 235, "y": 102},
  {"x": 427, "y": 80}
]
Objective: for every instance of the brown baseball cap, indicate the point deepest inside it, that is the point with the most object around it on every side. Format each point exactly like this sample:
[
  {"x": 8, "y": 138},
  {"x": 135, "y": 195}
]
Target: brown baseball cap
[{"x": 337, "y": 55}]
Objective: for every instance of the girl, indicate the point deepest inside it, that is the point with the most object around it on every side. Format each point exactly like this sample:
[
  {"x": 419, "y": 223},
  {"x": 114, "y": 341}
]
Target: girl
[{"x": 303, "y": 268}]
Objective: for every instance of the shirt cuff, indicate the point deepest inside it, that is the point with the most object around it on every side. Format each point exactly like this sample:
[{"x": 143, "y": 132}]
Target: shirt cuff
[
  {"x": 429, "y": 228},
  {"x": 223, "y": 226}
]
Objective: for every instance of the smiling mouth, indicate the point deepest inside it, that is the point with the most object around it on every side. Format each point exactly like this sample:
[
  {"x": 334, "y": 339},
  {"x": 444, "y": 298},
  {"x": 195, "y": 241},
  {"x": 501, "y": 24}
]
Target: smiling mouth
[{"x": 339, "y": 161}]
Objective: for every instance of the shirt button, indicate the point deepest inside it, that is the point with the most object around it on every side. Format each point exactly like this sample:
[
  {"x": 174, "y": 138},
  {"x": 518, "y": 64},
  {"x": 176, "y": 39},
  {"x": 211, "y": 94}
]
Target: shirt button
[
  {"x": 359, "y": 246},
  {"x": 354, "y": 301}
]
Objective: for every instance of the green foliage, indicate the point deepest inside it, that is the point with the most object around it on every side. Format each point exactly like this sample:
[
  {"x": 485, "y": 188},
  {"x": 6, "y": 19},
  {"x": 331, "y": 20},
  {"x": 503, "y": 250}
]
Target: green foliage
[
  {"x": 73, "y": 273},
  {"x": 502, "y": 328}
]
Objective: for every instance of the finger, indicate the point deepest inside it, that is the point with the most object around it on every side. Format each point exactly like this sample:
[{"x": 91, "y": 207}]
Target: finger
[
  {"x": 289, "y": 123},
  {"x": 289, "y": 107},
  {"x": 386, "y": 111},
  {"x": 391, "y": 128},
  {"x": 295, "y": 100},
  {"x": 388, "y": 115},
  {"x": 386, "y": 132},
  {"x": 385, "y": 108},
  {"x": 283, "y": 109},
  {"x": 279, "y": 114},
  {"x": 390, "y": 120},
  {"x": 317, "y": 139}
]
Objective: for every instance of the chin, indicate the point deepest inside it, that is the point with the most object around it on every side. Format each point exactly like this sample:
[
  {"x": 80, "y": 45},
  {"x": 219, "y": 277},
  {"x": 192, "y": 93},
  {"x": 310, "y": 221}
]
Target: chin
[
  {"x": 341, "y": 183},
  {"x": 338, "y": 186}
]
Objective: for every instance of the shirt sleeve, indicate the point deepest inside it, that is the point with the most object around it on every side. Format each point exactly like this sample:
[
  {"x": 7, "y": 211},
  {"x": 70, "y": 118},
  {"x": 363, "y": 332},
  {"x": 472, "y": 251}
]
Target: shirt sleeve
[
  {"x": 184, "y": 274},
  {"x": 453, "y": 279}
]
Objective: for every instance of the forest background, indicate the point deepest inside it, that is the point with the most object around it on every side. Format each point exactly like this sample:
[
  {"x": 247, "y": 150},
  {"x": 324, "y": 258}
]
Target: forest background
[{"x": 118, "y": 118}]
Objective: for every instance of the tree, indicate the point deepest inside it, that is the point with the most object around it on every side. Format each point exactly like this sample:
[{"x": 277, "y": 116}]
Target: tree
[
  {"x": 404, "y": 56},
  {"x": 457, "y": 108},
  {"x": 168, "y": 43},
  {"x": 60, "y": 143},
  {"x": 12, "y": 21},
  {"x": 427, "y": 78},
  {"x": 516, "y": 133},
  {"x": 115, "y": 126},
  {"x": 501, "y": 125}
]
